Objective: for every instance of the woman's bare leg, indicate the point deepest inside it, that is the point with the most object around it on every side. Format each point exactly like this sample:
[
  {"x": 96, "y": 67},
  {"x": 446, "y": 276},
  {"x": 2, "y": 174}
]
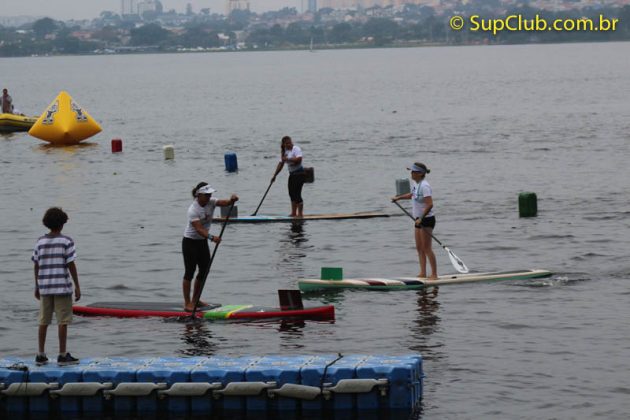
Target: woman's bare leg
[
  {"x": 428, "y": 251},
  {"x": 421, "y": 257}
]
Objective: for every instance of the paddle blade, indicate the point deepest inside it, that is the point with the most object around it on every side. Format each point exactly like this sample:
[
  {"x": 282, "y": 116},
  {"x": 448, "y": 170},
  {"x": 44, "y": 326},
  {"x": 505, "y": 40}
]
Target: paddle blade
[{"x": 457, "y": 263}]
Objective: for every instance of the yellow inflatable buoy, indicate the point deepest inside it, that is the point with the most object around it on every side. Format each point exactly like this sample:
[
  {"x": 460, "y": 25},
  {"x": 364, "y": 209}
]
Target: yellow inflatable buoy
[{"x": 64, "y": 122}]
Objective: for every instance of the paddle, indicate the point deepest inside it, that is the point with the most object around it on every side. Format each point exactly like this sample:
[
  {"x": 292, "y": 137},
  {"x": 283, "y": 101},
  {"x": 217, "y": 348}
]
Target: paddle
[
  {"x": 263, "y": 199},
  {"x": 214, "y": 252},
  {"x": 457, "y": 263}
]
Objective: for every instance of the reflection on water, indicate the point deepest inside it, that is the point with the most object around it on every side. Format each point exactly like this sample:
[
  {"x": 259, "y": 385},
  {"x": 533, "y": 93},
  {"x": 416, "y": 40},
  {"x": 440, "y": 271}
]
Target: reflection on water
[
  {"x": 296, "y": 234},
  {"x": 292, "y": 248},
  {"x": 291, "y": 334},
  {"x": 426, "y": 324},
  {"x": 197, "y": 338},
  {"x": 287, "y": 325},
  {"x": 327, "y": 297},
  {"x": 73, "y": 149},
  {"x": 8, "y": 136}
]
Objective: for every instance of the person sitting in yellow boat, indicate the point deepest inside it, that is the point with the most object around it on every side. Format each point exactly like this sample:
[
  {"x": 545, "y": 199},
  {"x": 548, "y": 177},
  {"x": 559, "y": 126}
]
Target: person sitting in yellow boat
[{"x": 7, "y": 102}]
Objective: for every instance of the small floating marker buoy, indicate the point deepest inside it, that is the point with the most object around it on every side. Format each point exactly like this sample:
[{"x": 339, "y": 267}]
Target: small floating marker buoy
[
  {"x": 402, "y": 186},
  {"x": 169, "y": 152},
  {"x": 331, "y": 273},
  {"x": 233, "y": 213},
  {"x": 231, "y": 163},
  {"x": 527, "y": 204},
  {"x": 116, "y": 145}
]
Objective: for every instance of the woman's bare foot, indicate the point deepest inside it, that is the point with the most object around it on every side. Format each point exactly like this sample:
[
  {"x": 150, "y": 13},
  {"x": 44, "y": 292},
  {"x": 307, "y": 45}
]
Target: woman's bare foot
[
  {"x": 189, "y": 308},
  {"x": 422, "y": 276},
  {"x": 433, "y": 277}
]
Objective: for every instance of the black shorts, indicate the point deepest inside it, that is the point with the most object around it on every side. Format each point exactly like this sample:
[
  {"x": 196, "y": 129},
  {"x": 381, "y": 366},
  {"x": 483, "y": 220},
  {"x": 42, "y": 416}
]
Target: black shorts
[
  {"x": 427, "y": 222},
  {"x": 196, "y": 254},
  {"x": 296, "y": 182}
]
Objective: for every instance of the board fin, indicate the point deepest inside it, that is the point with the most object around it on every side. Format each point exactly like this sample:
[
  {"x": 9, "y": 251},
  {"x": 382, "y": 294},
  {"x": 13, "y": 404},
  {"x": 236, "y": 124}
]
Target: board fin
[{"x": 290, "y": 300}]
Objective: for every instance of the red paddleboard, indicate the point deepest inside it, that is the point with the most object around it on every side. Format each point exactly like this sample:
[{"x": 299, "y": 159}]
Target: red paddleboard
[{"x": 215, "y": 311}]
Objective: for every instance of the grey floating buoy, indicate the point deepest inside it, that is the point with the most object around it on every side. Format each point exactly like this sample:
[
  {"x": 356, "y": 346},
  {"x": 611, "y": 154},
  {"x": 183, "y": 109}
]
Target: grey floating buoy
[
  {"x": 169, "y": 152},
  {"x": 527, "y": 204},
  {"x": 403, "y": 186},
  {"x": 231, "y": 164},
  {"x": 233, "y": 213}
]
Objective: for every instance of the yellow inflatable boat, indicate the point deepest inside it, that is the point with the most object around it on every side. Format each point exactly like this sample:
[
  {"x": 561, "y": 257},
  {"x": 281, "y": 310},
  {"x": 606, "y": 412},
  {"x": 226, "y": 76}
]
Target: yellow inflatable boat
[{"x": 10, "y": 123}]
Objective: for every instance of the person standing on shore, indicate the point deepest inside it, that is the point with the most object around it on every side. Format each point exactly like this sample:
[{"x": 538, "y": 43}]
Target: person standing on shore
[
  {"x": 291, "y": 154},
  {"x": 53, "y": 259}
]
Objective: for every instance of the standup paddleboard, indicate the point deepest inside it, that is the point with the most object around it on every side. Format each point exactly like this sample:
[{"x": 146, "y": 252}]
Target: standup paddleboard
[
  {"x": 261, "y": 218},
  {"x": 413, "y": 283},
  {"x": 214, "y": 311}
]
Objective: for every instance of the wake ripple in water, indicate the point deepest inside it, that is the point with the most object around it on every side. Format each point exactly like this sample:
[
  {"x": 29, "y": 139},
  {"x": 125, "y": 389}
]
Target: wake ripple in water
[{"x": 554, "y": 281}]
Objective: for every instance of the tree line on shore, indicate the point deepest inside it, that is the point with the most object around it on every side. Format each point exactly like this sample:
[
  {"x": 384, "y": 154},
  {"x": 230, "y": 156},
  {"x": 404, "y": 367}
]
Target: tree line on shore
[{"x": 412, "y": 25}]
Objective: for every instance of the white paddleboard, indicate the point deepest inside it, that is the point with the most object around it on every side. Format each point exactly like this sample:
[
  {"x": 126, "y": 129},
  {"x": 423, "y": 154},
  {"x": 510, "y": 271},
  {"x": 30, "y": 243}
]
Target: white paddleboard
[{"x": 412, "y": 283}]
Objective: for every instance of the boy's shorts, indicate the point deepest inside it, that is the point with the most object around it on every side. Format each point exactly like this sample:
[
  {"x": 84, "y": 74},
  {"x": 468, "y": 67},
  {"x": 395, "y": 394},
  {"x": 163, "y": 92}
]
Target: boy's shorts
[{"x": 60, "y": 304}]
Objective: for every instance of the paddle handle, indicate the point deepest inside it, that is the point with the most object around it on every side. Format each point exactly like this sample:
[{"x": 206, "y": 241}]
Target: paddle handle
[
  {"x": 263, "y": 199},
  {"x": 214, "y": 252}
]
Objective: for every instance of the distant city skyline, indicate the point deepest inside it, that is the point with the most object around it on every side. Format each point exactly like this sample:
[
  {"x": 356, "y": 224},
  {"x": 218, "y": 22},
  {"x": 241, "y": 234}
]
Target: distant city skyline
[{"x": 82, "y": 9}]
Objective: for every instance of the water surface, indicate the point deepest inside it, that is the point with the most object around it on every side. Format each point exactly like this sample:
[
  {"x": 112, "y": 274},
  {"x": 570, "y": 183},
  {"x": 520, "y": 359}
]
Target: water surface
[{"x": 489, "y": 121}]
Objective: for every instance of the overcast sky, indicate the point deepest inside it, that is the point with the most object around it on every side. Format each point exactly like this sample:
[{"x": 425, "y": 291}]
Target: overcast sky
[{"x": 81, "y": 9}]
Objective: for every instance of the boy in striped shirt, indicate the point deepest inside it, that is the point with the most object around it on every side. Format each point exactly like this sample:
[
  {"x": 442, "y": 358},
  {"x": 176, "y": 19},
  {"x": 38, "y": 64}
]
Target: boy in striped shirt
[{"x": 54, "y": 256}]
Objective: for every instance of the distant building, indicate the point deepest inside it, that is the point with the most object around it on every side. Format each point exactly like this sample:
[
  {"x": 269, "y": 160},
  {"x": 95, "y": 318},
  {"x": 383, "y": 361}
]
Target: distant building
[
  {"x": 147, "y": 6},
  {"x": 312, "y": 6},
  {"x": 138, "y": 7},
  {"x": 128, "y": 7},
  {"x": 236, "y": 5}
]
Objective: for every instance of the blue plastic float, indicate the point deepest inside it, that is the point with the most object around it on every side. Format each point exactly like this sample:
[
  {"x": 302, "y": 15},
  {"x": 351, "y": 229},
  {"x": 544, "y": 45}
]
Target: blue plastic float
[{"x": 218, "y": 384}]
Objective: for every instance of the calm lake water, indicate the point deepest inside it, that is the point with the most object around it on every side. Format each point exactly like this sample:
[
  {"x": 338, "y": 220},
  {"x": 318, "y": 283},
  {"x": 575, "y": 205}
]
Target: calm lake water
[{"x": 489, "y": 121}]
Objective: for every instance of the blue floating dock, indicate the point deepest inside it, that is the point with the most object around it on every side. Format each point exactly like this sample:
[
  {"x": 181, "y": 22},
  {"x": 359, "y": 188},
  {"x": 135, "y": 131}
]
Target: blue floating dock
[{"x": 328, "y": 383}]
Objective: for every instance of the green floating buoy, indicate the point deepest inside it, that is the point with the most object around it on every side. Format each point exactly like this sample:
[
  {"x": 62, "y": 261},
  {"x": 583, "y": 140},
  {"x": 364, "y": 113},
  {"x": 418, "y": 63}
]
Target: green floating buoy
[
  {"x": 527, "y": 204},
  {"x": 332, "y": 273}
]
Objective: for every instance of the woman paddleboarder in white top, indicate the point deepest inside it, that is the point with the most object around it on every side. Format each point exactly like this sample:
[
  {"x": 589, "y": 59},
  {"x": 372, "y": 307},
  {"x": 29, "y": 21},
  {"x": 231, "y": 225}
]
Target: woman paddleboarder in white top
[
  {"x": 292, "y": 156},
  {"x": 196, "y": 236},
  {"x": 421, "y": 197}
]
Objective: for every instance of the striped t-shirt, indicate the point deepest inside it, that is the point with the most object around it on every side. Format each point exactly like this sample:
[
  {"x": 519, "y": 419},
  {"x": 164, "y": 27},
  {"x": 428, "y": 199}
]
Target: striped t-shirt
[{"x": 53, "y": 254}]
